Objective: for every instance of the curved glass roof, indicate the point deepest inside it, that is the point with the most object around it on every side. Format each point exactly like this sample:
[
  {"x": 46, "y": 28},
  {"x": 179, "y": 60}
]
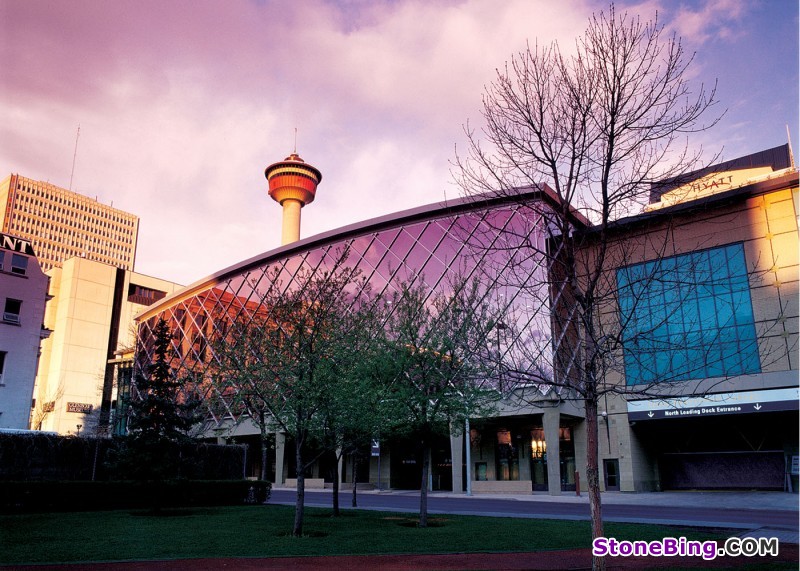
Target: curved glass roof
[{"x": 431, "y": 246}]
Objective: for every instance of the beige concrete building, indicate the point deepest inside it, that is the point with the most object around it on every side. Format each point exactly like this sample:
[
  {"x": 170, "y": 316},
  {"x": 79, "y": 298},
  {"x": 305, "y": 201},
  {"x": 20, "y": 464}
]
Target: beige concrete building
[
  {"x": 716, "y": 316},
  {"x": 23, "y": 294},
  {"x": 61, "y": 224},
  {"x": 91, "y": 316}
]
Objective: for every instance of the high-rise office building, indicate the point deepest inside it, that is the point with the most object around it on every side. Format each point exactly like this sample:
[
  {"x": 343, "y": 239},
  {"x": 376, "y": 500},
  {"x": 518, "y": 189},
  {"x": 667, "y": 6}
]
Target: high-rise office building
[{"x": 61, "y": 224}]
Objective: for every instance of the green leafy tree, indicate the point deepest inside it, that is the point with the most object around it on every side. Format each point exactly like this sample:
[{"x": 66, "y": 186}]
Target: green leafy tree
[
  {"x": 290, "y": 360},
  {"x": 356, "y": 408},
  {"x": 434, "y": 361}
]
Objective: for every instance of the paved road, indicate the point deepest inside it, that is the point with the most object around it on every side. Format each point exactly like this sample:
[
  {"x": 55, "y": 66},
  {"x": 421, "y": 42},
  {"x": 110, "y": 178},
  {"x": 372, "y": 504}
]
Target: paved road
[{"x": 705, "y": 516}]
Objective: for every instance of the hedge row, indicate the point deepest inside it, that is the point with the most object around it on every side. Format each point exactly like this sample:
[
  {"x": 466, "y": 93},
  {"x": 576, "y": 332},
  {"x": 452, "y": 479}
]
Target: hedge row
[
  {"x": 86, "y": 496},
  {"x": 43, "y": 456}
]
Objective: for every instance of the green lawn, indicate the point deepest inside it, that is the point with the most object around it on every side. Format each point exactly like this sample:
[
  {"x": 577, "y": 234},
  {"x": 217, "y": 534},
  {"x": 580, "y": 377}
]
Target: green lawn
[{"x": 261, "y": 531}]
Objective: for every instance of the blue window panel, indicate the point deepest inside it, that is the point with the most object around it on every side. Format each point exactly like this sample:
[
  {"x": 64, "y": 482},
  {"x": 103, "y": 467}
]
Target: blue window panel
[
  {"x": 636, "y": 277},
  {"x": 718, "y": 262},
  {"x": 632, "y": 368},
  {"x": 680, "y": 360},
  {"x": 724, "y": 305},
  {"x": 750, "y": 359},
  {"x": 715, "y": 366},
  {"x": 675, "y": 325},
  {"x": 708, "y": 313},
  {"x": 748, "y": 349},
  {"x": 696, "y": 362},
  {"x": 663, "y": 364},
  {"x": 743, "y": 308},
  {"x": 690, "y": 316},
  {"x": 658, "y": 316},
  {"x": 727, "y": 335},
  {"x": 626, "y": 304},
  {"x": 646, "y": 367},
  {"x": 731, "y": 358}
]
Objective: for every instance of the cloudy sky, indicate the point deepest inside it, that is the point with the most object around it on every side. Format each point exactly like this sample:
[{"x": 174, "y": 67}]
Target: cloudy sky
[{"x": 182, "y": 104}]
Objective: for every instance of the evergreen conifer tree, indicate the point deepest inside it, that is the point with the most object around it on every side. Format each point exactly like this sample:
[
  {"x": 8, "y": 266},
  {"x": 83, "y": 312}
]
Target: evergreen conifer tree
[{"x": 162, "y": 417}]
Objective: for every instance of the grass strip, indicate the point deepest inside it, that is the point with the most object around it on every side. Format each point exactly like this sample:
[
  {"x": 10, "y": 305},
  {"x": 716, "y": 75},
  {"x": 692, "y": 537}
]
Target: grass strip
[{"x": 263, "y": 531}]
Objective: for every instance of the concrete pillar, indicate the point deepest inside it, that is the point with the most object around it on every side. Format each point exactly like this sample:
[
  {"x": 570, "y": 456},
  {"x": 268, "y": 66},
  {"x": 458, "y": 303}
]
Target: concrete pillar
[
  {"x": 340, "y": 464},
  {"x": 280, "y": 450},
  {"x": 524, "y": 457},
  {"x": 291, "y": 221},
  {"x": 456, "y": 456},
  {"x": 550, "y": 422}
]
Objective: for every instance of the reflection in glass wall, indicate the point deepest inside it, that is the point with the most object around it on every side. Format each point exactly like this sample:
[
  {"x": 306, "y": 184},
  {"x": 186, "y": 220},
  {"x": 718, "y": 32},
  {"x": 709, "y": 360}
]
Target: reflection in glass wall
[{"x": 431, "y": 248}]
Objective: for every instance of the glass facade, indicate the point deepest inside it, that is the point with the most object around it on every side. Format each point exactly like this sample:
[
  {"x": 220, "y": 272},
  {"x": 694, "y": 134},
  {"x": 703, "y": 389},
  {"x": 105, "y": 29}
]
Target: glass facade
[
  {"x": 430, "y": 246},
  {"x": 688, "y": 317}
]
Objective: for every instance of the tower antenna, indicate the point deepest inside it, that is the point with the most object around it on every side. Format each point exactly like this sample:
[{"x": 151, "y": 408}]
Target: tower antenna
[
  {"x": 74, "y": 156},
  {"x": 295, "y": 139}
]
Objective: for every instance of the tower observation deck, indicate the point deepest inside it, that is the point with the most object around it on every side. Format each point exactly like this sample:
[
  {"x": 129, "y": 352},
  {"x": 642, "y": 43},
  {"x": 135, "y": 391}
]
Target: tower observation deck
[{"x": 292, "y": 184}]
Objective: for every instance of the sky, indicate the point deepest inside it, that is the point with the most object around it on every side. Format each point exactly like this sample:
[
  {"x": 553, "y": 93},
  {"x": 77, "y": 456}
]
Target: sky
[{"x": 182, "y": 104}]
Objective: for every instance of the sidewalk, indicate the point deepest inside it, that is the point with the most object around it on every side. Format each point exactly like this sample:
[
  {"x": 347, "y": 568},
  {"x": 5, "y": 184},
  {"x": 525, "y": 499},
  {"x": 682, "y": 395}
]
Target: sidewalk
[
  {"x": 735, "y": 500},
  {"x": 783, "y": 501},
  {"x": 738, "y": 500}
]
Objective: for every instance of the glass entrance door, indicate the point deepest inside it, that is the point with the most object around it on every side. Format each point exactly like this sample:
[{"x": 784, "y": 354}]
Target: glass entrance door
[
  {"x": 538, "y": 460},
  {"x": 611, "y": 469}
]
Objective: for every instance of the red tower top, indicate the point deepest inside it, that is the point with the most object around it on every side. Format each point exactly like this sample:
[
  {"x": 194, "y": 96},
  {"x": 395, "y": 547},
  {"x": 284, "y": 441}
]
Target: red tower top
[{"x": 292, "y": 178}]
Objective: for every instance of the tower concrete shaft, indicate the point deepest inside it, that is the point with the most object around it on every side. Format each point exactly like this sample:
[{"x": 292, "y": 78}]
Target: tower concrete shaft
[
  {"x": 293, "y": 184},
  {"x": 290, "y": 230}
]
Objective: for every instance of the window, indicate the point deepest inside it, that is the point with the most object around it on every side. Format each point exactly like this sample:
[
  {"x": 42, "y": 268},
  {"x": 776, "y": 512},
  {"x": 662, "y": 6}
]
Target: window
[
  {"x": 19, "y": 264},
  {"x": 688, "y": 317},
  {"x": 2, "y": 367},
  {"x": 143, "y": 295},
  {"x": 12, "y": 310},
  {"x": 2, "y": 256}
]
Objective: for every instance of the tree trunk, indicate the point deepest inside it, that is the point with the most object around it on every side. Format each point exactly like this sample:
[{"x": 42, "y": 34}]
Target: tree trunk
[
  {"x": 336, "y": 512},
  {"x": 301, "y": 490},
  {"x": 355, "y": 479},
  {"x": 264, "y": 451},
  {"x": 593, "y": 477},
  {"x": 264, "y": 446},
  {"x": 423, "y": 493}
]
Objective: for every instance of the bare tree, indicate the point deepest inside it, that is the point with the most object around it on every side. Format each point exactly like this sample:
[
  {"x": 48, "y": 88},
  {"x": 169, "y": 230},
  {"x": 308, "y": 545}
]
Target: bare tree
[{"x": 591, "y": 130}]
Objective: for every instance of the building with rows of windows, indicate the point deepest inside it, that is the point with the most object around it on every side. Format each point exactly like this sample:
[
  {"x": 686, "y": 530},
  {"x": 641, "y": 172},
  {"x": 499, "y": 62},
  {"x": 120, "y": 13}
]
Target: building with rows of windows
[
  {"x": 62, "y": 224},
  {"x": 705, "y": 279},
  {"x": 23, "y": 294},
  {"x": 61, "y": 363}
]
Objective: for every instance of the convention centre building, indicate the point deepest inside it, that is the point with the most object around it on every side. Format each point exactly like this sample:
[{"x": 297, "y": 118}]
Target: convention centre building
[{"x": 730, "y": 422}]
